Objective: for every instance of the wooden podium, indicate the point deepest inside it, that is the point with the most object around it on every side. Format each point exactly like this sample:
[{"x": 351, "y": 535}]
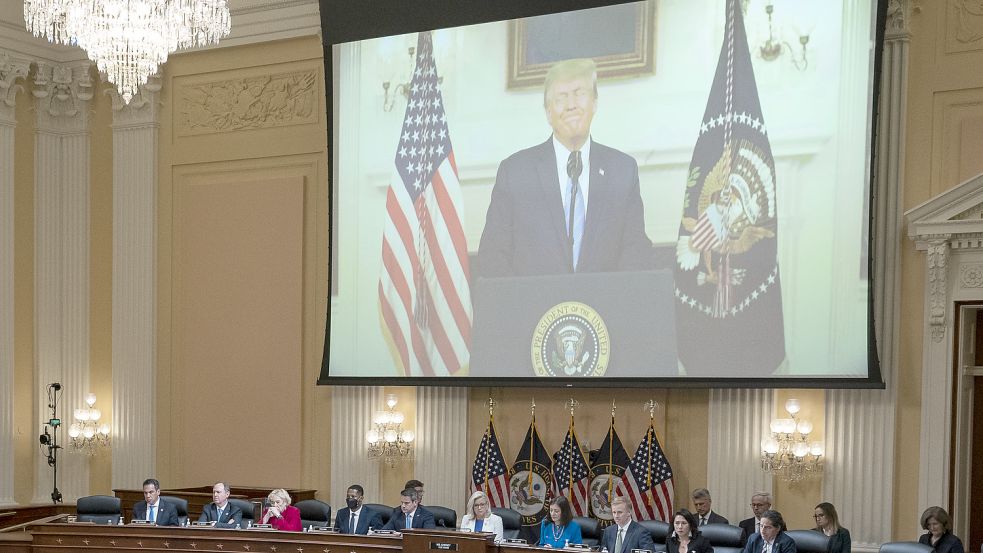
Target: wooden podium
[{"x": 447, "y": 541}]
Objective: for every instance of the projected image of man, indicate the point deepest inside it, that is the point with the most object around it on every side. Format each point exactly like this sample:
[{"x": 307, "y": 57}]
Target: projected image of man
[{"x": 569, "y": 204}]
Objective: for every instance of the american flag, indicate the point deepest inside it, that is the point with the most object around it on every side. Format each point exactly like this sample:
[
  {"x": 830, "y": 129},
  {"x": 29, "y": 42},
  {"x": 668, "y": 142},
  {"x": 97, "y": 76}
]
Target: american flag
[
  {"x": 571, "y": 476},
  {"x": 489, "y": 474},
  {"x": 424, "y": 296},
  {"x": 648, "y": 480}
]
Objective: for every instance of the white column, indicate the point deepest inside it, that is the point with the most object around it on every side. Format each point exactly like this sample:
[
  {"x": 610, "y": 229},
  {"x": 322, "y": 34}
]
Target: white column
[
  {"x": 739, "y": 419},
  {"x": 135, "y": 131},
  {"x": 859, "y": 446},
  {"x": 61, "y": 261},
  {"x": 10, "y": 71},
  {"x": 352, "y": 408},
  {"x": 441, "y": 445}
]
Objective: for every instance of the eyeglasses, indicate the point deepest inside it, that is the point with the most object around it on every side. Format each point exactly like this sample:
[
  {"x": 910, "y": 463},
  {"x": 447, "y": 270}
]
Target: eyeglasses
[{"x": 818, "y": 516}]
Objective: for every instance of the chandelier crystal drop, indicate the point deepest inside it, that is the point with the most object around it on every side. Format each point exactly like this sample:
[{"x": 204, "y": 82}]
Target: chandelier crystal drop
[{"x": 129, "y": 39}]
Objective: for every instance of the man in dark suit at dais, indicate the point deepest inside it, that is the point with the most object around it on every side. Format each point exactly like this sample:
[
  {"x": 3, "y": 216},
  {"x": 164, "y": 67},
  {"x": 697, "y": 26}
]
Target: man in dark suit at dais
[{"x": 569, "y": 204}]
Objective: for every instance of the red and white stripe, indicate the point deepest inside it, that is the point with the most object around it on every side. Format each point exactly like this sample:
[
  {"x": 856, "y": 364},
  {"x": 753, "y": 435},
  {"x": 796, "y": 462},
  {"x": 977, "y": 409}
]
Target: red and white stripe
[
  {"x": 442, "y": 347},
  {"x": 654, "y": 504}
]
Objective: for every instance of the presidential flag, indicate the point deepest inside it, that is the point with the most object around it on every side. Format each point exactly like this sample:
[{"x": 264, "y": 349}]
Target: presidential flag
[
  {"x": 608, "y": 468},
  {"x": 489, "y": 473},
  {"x": 571, "y": 475},
  {"x": 648, "y": 480},
  {"x": 424, "y": 296},
  {"x": 728, "y": 292},
  {"x": 530, "y": 484}
]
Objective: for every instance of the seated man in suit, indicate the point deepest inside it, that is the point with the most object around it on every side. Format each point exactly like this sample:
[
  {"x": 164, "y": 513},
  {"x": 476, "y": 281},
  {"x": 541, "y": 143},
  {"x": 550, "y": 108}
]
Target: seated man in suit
[
  {"x": 760, "y": 502},
  {"x": 570, "y": 204},
  {"x": 152, "y": 508},
  {"x": 704, "y": 512},
  {"x": 220, "y": 511},
  {"x": 772, "y": 537},
  {"x": 409, "y": 514},
  {"x": 354, "y": 519},
  {"x": 623, "y": 536}
]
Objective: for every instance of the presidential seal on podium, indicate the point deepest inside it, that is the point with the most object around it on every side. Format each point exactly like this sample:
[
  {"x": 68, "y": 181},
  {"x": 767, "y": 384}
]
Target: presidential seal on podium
[{"x": 570, "y": 340}]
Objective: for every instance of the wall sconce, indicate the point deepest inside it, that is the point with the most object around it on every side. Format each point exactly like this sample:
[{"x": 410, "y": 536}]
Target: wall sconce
[
  {"x": 788, "y": 454},
  {"x": 772, "y": 48},
  {"x": 86, "y": 433},
  {"x": 387, "y": 439},
  {"x": 389, "y": 99}
]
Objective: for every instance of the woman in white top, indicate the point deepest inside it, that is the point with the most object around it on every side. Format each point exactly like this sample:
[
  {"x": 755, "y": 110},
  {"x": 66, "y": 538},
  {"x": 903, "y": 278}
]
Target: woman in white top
[{"x": 479, "y": 517}]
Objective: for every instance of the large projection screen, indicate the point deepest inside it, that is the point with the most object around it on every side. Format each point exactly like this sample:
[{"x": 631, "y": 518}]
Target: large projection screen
[{"x": 669, "y": 193}]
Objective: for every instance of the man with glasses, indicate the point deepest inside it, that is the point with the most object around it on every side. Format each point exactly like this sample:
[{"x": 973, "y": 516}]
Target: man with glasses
[{"x": 760, "y": 502}]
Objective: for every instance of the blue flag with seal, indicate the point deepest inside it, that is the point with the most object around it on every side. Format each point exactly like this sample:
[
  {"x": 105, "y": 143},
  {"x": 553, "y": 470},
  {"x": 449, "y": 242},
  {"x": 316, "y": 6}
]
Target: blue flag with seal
[
  {"x": 531, "y": 483},
  {"x": 729, "y": 319}
]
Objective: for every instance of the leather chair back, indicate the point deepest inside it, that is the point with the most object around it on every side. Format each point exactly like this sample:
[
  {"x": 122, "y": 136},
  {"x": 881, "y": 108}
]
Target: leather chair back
[
  {"x": 590, "y": 530},
  {"x": 313, "y": 513},
  {"x": 809, "y": 541},
  {"x": 180, "y": 505},
  {"x": 442, "y": 516},
  {"x": 100, "y": 509},
  {"x": 905, "y": 547},
  {"x": 249, "y": 510},
  {"x": 511, "y": 522},
  {"x": 385, "y": 511},
  {"x": 722, "y": 535},
  {"x": 659, "y": 530}
]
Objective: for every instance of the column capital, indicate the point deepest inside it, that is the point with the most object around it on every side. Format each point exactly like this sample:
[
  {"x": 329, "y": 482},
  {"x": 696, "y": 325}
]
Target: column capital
[
  {"x": 62, "y": 92},
  {"x": 142, "y": 110},
  {"x": 899, "y": 12},
  {"x": 11, "y": 69}
]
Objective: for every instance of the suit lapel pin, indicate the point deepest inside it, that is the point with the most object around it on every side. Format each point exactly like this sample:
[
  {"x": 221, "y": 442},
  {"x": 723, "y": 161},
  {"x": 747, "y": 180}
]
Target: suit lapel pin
[{"x": 600, "y": 172}]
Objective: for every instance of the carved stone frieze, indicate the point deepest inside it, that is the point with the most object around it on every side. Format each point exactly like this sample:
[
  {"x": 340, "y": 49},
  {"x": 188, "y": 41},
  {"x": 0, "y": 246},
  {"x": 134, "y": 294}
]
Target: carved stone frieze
[
  {"x": 971, "y": 275},
  {"x": 10, "y": 71},
  {"x": 966, "y": 22},
  {"x": 259, "y": 102},
  {"x": 937, "y": 260},
  {"x": 62, "y": 92}
]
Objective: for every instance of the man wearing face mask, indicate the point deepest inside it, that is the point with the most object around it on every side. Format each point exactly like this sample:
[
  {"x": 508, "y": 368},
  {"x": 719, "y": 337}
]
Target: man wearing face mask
[{"x": 354, "y": 519}]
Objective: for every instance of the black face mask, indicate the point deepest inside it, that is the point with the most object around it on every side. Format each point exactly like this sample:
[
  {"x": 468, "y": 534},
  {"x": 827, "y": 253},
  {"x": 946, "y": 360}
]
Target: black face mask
[{"x": 352, "y": 503}]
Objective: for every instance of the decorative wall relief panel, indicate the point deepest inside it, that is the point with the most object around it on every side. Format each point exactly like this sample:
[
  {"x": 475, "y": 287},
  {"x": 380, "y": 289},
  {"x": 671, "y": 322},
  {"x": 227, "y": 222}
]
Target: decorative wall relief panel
[
  {"x": 262, "y": 101},
  {"x": 964, "y": 26}
]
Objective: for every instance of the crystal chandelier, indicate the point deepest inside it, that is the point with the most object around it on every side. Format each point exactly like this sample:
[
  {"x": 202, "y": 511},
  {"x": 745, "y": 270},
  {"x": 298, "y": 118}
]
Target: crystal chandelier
[
  {"x": 788, "y": 453},
  {"x": 387, "y": 439},
  {"x": 86, "y": 433},
  {"x": 129, "y": 39}
]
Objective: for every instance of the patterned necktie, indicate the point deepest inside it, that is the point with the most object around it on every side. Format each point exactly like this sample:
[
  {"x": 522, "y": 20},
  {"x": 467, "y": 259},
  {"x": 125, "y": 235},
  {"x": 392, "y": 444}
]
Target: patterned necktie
[
  {"x": 575, "y": 211},
  {"x": 703, "y": 521}
]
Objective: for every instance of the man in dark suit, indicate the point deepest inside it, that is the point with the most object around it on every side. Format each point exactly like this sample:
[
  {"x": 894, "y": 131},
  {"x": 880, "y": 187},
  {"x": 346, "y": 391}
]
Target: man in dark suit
[
  {"x": 220, "y": 511},
  {"x": 410, "y": 514},
  {"x": 704, "y": 511},
  {"x": 760, "y": 502},
  {"x": 772, "y": 537},
  {"x": 624, "y": 535},
  {"x": 152, "y": 508},
  {"x": 353, "y": 519},
  {"x": 569, "y": 204}
]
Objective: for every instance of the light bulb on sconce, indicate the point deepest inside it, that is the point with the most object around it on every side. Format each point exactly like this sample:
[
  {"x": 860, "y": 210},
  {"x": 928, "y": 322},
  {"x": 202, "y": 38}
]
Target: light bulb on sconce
[
  {"x": 85, "y": 433},
  {"x": 788, "y": 453}
]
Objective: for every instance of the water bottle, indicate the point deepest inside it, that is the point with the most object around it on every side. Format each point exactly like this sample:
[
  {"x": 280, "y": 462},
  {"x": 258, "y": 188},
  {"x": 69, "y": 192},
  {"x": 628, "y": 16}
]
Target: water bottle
[{"x": 120, "y": 523}]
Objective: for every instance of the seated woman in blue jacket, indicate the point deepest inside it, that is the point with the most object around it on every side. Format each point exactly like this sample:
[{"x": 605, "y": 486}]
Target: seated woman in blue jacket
[{"x": 559, "y": 529}]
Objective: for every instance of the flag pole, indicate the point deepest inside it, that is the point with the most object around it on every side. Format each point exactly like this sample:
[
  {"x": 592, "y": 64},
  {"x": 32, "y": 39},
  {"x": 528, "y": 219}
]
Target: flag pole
[
  {"x": 611, "y": 453},
  {"x": 573, "y": 405},
  {"x": 488, "y": 435},
  {"x": 531, "y": 432}
]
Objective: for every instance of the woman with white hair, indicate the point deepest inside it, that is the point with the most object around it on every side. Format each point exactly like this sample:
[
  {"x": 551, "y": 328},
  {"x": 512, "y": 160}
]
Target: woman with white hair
[
  {"x": 479, "y": 517},
  {"x": 280, "y": 513}
]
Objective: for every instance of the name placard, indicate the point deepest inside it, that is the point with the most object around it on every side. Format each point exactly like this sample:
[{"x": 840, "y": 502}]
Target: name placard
[{"x": 442, "y": 546}]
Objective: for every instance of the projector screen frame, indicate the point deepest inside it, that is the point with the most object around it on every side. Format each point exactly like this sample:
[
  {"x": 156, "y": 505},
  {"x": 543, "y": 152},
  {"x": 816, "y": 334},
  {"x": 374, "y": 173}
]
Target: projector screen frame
[{"x": 350, "y": 20}]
